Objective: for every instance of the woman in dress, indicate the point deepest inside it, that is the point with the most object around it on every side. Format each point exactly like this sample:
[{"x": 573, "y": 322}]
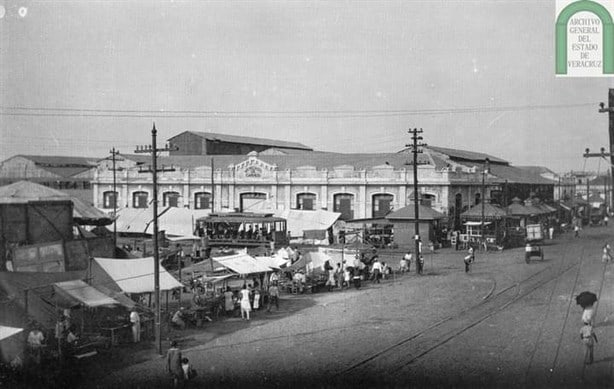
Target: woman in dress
[
  {"x": 245, "y": 305},
  {"x": 229, "y": 304}
]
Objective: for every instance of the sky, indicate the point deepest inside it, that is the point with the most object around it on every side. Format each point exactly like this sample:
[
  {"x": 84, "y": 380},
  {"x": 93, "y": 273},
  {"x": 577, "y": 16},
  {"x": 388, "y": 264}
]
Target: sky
[{"x": 81, "y": 77}]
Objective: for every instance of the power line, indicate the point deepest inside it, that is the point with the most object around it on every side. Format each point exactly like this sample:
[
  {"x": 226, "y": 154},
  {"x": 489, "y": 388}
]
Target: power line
[{"x": 116, "y": 113}]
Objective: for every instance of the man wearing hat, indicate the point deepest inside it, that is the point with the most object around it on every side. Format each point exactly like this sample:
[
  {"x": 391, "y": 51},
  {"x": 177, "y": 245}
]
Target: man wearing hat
[{"x": 135, "y": 319}]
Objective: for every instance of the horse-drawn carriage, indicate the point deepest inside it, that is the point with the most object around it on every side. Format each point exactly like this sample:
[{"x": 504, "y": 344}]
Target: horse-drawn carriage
[{"x": 535, "y": 235}]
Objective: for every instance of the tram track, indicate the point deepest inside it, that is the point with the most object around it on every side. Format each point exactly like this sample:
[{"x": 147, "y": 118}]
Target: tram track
[{"x": 417, "y": 345}]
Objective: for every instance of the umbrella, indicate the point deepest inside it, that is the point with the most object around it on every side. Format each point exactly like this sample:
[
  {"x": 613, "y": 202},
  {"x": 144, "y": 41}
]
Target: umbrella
[{"x": 586, "y": 299}]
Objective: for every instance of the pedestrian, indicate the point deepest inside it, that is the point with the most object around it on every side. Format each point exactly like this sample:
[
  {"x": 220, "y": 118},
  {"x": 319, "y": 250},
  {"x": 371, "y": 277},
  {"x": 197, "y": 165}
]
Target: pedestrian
[
  {"x": 229, "y": 304},
  {"x": 256, "y": 304},
  {"x": 245, "y": 305},
  {"x": 469, "y": 258},
  {"x": 588, "y": 314},
  {"x": 173, "y": 364},
  {"x": 576, "y": 231},
  {"x": 273, "y": 297},
  {"x": 330, "y": 281},
  {"x": 178, "y": 319},
  {"x": 589, "y": 338},
  {"x": 403, "y": 264},
  {"x": 551, "y": 232},
  {"x": 420, "y": 264},
  {"x": 135, "y": 319},
  {"x": 605, "y": 220},
  {"x": 339, "y": 276},
  {"x": 607, "y": 253},
  {"x": 188, "y": 372},
  {"x": 376, "y": 270},
  {"x": 347, "y": 275},
  {"x": 35, "y": 343}
]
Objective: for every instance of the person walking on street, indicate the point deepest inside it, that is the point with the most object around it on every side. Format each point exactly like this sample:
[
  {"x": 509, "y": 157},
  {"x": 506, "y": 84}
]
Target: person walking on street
[
  {"x": 376, "y": 270},
  {"x": 173, "y": 364},
  {"x": 469, "y": 259},
  {"x": 246, "y": 307},
  {"x": 589, "y": 338},
  {"x": 607, "y": 253},
  {"x": 273, "y": 297},
  {"x": 405, "y": 263},
  {"x": 135, "y": 319},
  {"x": 420, "y": 264},
  {"x": 576, "y": 231}
]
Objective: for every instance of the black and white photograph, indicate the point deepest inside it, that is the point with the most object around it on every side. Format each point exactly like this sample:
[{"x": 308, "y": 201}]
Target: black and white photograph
[{"x": 306, "y": 194}]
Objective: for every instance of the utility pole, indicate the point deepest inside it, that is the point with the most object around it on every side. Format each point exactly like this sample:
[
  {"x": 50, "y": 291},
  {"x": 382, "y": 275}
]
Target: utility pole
[
  {"x": 485, "y": 171},
  {"x": 113, "y": 154},
  {"x": 610, "y": 110},
  {"x": 415, "y": 149},
  {"x": 212, "y": 187},
  {"x": 153, "y": 150}
]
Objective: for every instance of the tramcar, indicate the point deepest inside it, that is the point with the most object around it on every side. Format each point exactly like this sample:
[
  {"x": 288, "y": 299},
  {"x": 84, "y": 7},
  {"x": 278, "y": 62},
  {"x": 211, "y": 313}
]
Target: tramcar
[{"x": 243, "y": 229}]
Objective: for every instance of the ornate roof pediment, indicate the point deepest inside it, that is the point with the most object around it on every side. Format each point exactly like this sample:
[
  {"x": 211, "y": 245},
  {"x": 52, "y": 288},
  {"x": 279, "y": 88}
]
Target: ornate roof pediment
[{"x": 254, "y": 168}]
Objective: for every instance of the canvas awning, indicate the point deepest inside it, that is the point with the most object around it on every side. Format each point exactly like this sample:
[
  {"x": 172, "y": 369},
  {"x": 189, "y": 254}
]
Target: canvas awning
[
  {"x": 274, "y": 262},
  {"x": 299, "y": 221},
  {"x": 84, "y": 294},
  {"x": 476, "y": 223},
  {"x": 131, "y": 275},
  {"x": 6, "y": 332},
  {"x": 173, "y": 221},
  {"x": 216, "y": 279},
  {"x": 242, "y": 264}
]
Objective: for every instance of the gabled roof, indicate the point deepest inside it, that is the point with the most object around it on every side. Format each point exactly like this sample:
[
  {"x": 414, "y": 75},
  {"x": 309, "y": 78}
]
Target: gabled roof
[
  {"x": 82, "y": 212},
  {"x": 537, "y": 169},
  {"x": 407, "y": 213},
  {"x": 61, "y": 166},
  {"x": 245, "y": 140},
  {"x": 464, "y": 155},
  {"x": 516, "y": 175}
]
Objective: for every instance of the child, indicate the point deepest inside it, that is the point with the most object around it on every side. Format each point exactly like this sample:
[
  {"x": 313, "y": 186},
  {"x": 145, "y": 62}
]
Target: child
[{"x": 589, "y": 338}]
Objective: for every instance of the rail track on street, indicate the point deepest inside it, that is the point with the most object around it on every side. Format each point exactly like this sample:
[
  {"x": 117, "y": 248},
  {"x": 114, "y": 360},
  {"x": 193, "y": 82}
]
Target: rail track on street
[{"x": 419, "y": 344}]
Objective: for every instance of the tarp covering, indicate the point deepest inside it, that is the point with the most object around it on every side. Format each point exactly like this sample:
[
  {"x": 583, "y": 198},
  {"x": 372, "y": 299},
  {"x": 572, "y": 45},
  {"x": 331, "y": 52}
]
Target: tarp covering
[
  {"x": 174, "y": 221},
  {"x": 131, "y": 275},
  {"x": 83, "y": 213},
  {"x": 300, "y": 264},
  {"x": 299, "y": 221},
  {"x": 6, "y": 332},
  {"x": 316, "y": 260},
  {"x": 474, "y": 223},
  {"x": 84, "y": 293},
  {"x": 274, "y": 262},
  {"x": 242, "y": 264}
]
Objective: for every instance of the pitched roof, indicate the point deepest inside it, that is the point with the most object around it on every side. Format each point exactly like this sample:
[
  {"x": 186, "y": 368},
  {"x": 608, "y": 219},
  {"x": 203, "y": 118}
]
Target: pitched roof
[
  {"x": 82, "y": 212},
  {"x": 62, "y": 166},
  {"x": 490, "y": 211},
  {"x": 246, "y": 140},
  {"x": 407, "y": 213},
  {"x": 464, "y": 155},
  {"x": 516, "y": 175}
]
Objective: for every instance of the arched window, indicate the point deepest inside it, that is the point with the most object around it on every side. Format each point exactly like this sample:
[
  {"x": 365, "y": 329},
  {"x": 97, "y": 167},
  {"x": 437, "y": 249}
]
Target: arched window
[
  {"x": 170, "y": 199},
  {"x": 427, "y": 199},
  {"x": 202, "y": 200},
  {"x": 305, "y": 201},
  {"x": 139, "y": 200},
  {"x": 109, "y": 199},
  {"x": 382, "y": 204},
  {"x": 478, "y": 198},
  {"x": 344, "y": 204}
]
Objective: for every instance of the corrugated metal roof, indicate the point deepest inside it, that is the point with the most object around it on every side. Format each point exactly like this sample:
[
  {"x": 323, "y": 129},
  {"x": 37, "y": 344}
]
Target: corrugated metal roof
[
  {"x": 60, "y": 160},
  {"x": 464, "y": 155},
  {"x": 490, "y": 211},
  {"x": 245, "y": 140}
]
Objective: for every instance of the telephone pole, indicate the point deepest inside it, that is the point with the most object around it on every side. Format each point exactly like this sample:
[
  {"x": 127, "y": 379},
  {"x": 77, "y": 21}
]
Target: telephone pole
[
  {"x": 114, "y": 153},
  {"x": 154, "y": 150},
  {"x": 610, "y": 110},
  {"x": 415, "y": 149}
]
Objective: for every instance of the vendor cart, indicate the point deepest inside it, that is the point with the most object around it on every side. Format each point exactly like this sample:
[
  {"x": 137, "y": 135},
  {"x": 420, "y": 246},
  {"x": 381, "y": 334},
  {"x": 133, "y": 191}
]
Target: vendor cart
[{"x": 535, "y": 235}]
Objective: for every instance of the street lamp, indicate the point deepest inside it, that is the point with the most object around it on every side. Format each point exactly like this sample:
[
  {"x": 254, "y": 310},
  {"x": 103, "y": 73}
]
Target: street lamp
[{"x": 485, "y": 171}]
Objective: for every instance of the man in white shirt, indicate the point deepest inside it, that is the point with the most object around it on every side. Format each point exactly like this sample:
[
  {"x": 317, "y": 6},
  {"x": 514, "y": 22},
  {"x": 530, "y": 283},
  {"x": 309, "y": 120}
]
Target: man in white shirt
[
  {"x": 135, "y": 319},
  {"x": 377, "y": 270}
]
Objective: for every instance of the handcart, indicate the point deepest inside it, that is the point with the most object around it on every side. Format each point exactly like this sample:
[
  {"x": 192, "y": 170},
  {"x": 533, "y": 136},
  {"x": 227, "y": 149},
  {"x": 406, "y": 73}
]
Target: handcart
[{"x": 535, "y": 235}]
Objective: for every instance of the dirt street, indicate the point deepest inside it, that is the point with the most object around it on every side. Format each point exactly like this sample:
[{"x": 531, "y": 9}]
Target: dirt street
[{"x": 504, "y": 324}]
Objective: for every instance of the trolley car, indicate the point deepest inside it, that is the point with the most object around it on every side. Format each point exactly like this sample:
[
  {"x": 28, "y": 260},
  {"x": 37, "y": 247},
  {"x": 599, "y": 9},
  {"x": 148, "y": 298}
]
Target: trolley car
[
  {"x": 535, "y": 235},
  {"x": 243, "y": 229}
]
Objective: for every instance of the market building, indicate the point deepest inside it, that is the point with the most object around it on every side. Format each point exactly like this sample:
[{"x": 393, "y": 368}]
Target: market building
[{"x": 355, "y": 185}]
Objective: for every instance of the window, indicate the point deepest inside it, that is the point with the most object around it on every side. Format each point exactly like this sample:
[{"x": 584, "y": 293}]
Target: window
[
  {"x": 382, "y": 204},
  {"x": 427, "y": 199},
  {"x": 109, "y": 199},
  {"x": 305, "y": 201},
  {"x": 202, "y": 200},
  {"x": 139, "y": 200},
  {"x": 478, "y": 198},
  {"x": 170, "y": 199},
  {"x": 496, "y": 197},
  {"x": 344, "y": 204}
]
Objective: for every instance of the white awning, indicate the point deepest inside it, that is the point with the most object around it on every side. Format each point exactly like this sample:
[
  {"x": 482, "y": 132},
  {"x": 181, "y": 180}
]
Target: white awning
[
  {"x": 6, "y": 332},
  {"x": 84, "y": 293},
  {"x": 473, "y": 223},
  {"x": 136, "y": 275},
  {"x": 242, "y": 264}
]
